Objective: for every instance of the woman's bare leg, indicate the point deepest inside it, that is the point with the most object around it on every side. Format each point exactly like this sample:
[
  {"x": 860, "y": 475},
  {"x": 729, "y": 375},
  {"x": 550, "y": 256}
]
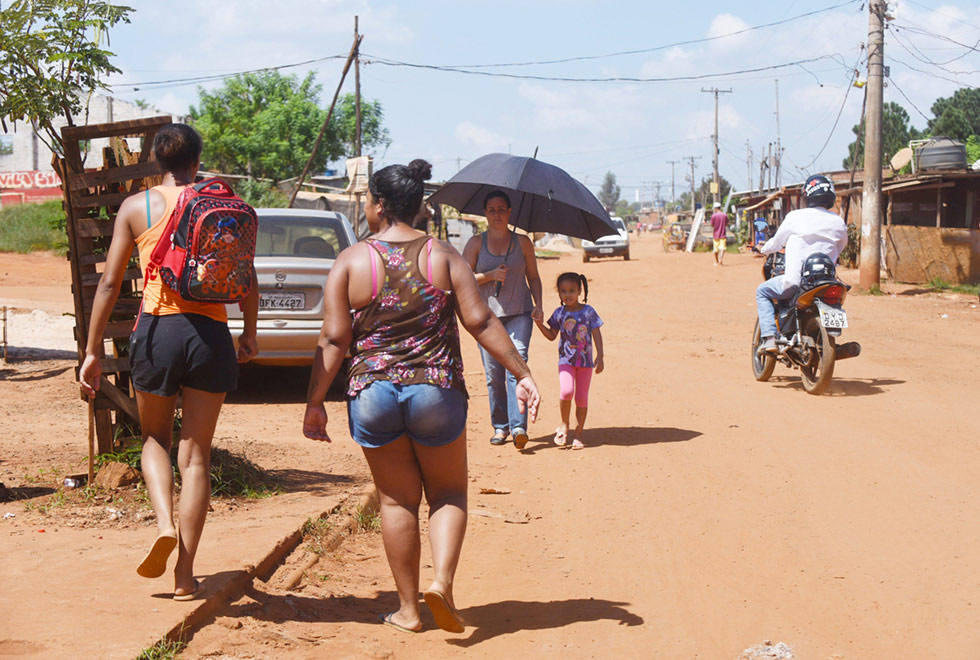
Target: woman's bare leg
[
  {"x": 399, "y": 481},
  {"x": 199, "y": 417},
  {"x": 157, "y": 421},
  {"x": 444, "y": 474}
]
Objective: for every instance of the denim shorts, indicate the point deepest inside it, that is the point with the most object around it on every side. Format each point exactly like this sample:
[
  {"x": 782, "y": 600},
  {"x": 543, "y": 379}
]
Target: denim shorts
[
  {"x": 182, "y": 350},
  {"x": 429, "y": 415}
]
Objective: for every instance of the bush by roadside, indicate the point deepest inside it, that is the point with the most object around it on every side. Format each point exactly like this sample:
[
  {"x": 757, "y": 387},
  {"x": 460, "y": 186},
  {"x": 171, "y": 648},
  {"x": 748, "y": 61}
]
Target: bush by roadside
[{"x": 33, "y": 228}]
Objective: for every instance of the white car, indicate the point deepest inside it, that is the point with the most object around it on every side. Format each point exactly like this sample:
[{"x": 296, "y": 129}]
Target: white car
[
  {"x": 613, "y": 245},
  {"x": 294, "y": 252}
]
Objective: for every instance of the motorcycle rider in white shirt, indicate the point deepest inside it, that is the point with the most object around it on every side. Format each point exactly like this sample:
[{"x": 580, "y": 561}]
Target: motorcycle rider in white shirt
[{"x": 805, "y": 231}]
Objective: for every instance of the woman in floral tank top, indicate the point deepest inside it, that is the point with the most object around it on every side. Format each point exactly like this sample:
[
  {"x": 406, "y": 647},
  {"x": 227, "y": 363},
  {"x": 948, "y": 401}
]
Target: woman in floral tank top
[{"x": 393, "y": 300}]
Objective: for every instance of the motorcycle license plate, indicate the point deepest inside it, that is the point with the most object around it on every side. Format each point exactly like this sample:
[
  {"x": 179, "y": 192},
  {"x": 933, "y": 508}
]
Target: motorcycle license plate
[{"x": 831, "y": 317}]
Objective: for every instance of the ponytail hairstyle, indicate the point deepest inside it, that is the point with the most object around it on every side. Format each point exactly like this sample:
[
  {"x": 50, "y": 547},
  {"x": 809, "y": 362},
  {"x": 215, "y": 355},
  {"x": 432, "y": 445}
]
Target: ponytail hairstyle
[
  {"x": 579, "y": 279},
  {"x": 400, "y": 189}
]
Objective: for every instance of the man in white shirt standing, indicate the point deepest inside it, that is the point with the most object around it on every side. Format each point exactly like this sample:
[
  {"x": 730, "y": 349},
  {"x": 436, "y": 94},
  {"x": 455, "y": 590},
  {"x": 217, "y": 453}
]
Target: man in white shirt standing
[{"x": 805, "y": 231}]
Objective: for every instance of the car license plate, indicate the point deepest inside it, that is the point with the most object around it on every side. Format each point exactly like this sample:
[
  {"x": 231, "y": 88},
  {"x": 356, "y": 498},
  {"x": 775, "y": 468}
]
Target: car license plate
[
  {"x": 283, "y": 300},
  {"x": 605, "y": 250},
  {"x": 831, "y": 317}
]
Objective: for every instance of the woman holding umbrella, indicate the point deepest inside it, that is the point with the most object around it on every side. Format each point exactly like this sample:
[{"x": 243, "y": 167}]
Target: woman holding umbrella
[{"x": 507, "y": 272}]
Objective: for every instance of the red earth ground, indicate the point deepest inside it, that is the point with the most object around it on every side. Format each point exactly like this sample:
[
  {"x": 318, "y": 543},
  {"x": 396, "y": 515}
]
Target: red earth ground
[{"x": 708, "y": 514}]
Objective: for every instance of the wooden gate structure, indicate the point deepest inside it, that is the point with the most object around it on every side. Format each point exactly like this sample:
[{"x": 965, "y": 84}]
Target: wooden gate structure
[{"x": 91, "y": 200}]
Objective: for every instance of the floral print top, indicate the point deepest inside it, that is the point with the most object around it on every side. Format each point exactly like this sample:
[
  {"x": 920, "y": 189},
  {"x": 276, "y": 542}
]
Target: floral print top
[{"x": 407, "y": 334}]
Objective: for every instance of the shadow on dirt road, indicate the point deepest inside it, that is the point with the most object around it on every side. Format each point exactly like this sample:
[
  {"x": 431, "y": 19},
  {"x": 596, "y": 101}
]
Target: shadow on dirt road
[{"x": 625, "y": 436}]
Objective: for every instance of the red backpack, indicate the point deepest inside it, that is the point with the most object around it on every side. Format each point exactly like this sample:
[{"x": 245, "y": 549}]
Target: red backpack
[{"x": 208, "y": 257}]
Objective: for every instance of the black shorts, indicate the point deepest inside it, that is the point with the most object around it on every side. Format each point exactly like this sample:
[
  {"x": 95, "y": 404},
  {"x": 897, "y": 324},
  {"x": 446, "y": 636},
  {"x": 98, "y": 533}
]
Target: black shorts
[{"x": 182, "y": 350}]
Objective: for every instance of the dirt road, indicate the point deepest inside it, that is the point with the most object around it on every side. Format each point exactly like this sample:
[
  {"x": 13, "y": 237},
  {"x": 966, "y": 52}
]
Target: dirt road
[{"x": 708, "y": 514}]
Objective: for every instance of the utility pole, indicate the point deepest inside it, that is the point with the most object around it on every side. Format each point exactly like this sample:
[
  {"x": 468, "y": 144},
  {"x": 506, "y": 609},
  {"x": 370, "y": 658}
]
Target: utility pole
[
  {"x": 870, "y": 275},
  {"x": 714, "y": 188},
  {"x": 779, "y": 148},
  {"x": 692, "y": 160},
  {"x": 357, "y": 92},
  {"x": 748, "y": 165},
  {"x": 673, "y": 197}
]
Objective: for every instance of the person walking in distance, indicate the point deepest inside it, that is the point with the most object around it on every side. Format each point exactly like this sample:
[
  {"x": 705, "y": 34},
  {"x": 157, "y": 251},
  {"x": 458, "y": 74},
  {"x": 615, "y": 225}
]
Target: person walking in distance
[
  {"x": 719, "y": 234},
  {"x": 177, "y": 347},
  {"x": 407, "y": 401},
  {"x": 577, "y": 327}
]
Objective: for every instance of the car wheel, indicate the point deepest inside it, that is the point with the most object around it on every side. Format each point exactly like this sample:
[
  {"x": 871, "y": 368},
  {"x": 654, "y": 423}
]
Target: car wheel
[
  {"x": 585, "y": 258},
  {"x": 626, "y": 255}
]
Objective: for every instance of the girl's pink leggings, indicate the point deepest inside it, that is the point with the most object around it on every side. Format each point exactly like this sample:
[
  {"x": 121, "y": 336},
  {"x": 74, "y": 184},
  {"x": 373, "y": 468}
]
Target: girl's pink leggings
[{"x": 574, "y": 380}]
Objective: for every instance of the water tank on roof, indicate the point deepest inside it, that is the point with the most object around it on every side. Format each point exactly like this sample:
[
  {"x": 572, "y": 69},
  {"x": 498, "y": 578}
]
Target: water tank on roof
[{"x": 941, "y": 154}]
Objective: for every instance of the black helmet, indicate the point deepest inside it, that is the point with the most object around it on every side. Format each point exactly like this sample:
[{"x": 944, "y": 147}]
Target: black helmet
[
  {"x": 819, "y": 191},
  {"x": 818, "y": 269}
]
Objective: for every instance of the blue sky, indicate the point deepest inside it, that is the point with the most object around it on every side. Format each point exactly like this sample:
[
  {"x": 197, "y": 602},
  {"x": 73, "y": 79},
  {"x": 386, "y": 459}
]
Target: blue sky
[{"x": 631, "y": 128}]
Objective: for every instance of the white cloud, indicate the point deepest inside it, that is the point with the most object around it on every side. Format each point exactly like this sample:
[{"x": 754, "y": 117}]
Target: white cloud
[
  {"x": 725, "y": 24},
  {"x": 485, "y": 140}
]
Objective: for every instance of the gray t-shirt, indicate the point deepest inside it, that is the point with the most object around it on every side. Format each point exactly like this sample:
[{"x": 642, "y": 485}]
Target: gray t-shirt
[{"x": 514, "y": 296}]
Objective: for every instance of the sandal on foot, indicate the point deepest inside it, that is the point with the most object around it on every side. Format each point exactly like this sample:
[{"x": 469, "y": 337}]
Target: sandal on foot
[
  {"x": 561, "y": 437},
  {"x": 154, "y": 564},
  {"x": 498, "y": 438},
  {"x": 190, "y": 595},
  {"x": 386, "y": 620},
  {"x": 520, "y": 439},
  {"x": 446, "y": 616},
  {"x": 577, "y": 444}
]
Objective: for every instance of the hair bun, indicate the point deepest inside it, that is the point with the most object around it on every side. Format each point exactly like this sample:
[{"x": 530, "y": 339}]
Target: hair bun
[{"x": 420, "y": 170}]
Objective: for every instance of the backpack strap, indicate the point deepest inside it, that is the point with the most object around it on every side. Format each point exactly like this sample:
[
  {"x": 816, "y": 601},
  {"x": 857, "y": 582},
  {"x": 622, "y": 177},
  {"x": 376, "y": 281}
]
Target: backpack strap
[{"x": 147, "y": 208}]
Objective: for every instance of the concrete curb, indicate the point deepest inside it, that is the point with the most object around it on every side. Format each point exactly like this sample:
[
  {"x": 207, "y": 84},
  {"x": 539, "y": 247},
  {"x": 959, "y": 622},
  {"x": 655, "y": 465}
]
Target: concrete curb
[{"x": 241, "y": 580}]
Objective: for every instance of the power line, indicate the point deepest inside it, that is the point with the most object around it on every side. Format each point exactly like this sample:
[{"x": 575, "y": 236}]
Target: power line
[
  {"x": 654, "y": 49},
  {"x": 836, "y": 122},
  {"x": 905, "y": 96},
  {"x": 617, "y": 79},
  {"x": 178, "y": 82}
]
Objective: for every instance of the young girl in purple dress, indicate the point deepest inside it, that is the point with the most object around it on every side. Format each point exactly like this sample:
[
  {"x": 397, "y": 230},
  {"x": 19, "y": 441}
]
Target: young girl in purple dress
[{"x": 577, "y": 326}]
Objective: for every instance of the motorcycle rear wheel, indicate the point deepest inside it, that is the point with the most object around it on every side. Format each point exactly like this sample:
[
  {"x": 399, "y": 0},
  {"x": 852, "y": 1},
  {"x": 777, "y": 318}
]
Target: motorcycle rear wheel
[
  {"x": 818, "y": 374},
  {"x": 762, "y": 365}
]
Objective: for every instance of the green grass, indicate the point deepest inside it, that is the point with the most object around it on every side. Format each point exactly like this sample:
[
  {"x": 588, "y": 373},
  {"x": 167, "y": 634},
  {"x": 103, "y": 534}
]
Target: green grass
[
  {"x": 939, "y": 284},
  {"x": 32, "y": 228},
  {"x": 162, "y": 650},
  {"x": 369, "y": 521}
]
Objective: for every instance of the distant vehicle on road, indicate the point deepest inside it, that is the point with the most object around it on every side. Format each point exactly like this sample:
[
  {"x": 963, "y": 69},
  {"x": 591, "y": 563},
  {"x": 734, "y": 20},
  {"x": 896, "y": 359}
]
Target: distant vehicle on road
[
  {"x": 294, "y": 252},
  {"x": 615, "y": 245}
]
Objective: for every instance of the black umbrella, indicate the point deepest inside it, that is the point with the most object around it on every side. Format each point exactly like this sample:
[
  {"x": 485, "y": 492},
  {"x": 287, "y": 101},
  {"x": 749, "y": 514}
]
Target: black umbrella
[{"x": 544, "y": 198}]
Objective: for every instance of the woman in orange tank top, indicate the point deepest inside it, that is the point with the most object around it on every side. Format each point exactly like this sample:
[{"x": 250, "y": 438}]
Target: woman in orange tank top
[{"x": 177, "y": 347}]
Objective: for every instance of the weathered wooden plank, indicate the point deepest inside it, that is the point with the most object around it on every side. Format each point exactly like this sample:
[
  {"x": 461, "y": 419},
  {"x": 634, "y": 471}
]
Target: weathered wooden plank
[
  {"x": 89, "y": 228},
  {"x": 92, "y": 279},
  {"x": 113, "y": 175},
  {"x": 117, "y": 329},
  {"x": 123, "y": 307},
  {"x": 122, "y": 400},
  {"x": 114, "y": 366},
  {"x": 96, "y": 201},
  {"x": 132, "y": 127}
]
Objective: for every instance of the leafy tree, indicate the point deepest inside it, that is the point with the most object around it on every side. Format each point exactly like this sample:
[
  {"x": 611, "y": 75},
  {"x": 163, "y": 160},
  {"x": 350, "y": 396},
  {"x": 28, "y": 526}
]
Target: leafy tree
[
  {"x": 703, "y": 194},
  {"x": 51, "y": 59},
  {"x": 265, "y": 124},
  {"x": 895, "y": 135},
  {"x": 609, "y": 192},
  {"x": 958, "y": 116}
]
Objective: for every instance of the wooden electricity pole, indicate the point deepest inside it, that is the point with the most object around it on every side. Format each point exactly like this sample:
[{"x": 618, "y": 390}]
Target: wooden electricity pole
[
  {"x": 357, "y": 91},
  {"x": 870, "y": 274},
  {"x": 715, "y": 187}
]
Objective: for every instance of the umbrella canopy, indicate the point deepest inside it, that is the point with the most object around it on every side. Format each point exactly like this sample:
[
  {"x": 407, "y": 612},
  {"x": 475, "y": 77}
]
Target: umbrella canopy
[{"x": 544, "y": 198}]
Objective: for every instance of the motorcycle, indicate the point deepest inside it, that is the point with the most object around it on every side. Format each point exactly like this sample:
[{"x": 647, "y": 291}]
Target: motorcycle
[{"x": 809, "y": 325}]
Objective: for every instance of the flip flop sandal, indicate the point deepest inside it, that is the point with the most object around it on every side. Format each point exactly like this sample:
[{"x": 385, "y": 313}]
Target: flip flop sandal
[
  {"x": 154, "y": 564},
  {"x": 520, "y": 439},
  {"x": 190, "y": 595},
  {"x": 577, "y": 444},
  {"x": 446, "y": 616},
  {"x": 561, "y": 437},
  {"x": 386, "y": 620},
  {"x": 498, "y": 438}
]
